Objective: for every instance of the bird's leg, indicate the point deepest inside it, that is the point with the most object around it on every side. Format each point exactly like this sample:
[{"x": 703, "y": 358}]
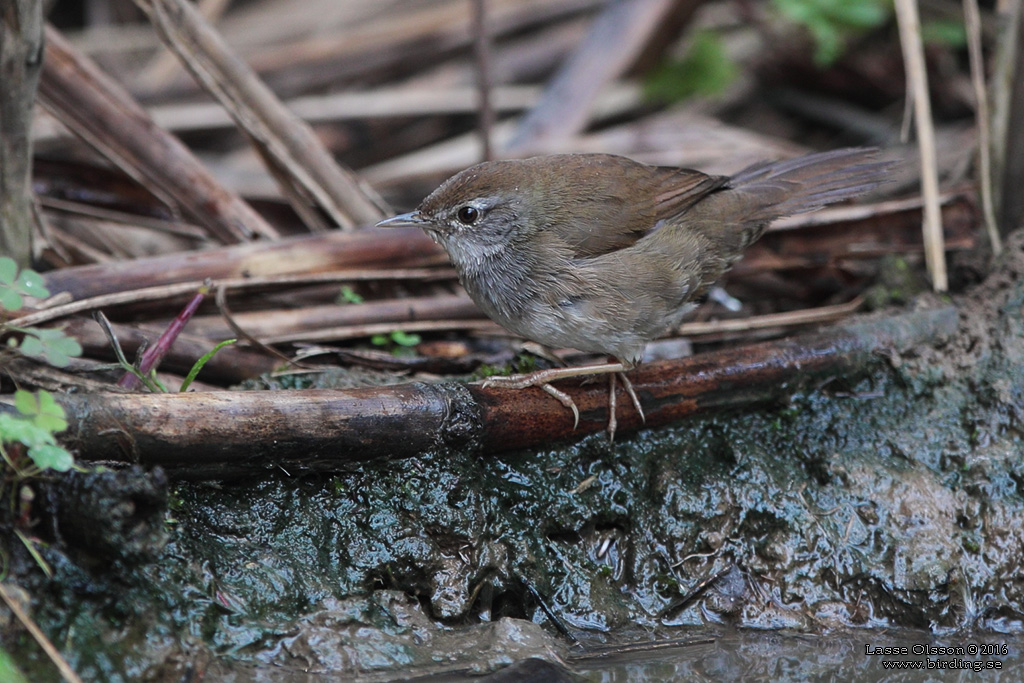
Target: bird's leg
[
  {"x": 613, "y": 403},
  {"x": 613, "y": 423},
  {"x": 632, "y": 395},
  {"x": 543, "y": 379},
  {"x": 539, "y": 377}
]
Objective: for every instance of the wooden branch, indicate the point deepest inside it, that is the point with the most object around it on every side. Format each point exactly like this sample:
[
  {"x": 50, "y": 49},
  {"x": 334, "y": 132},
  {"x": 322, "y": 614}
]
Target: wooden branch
[
  {"x": 283, "y": 137},
  {"x": 102, "y": 113},
  {"x": 334, "y": 251},
  {"x": 381, "y": 103},
  {"x": 1011, "y": 144},
  {"x": 295, "y": 321},
  {"x": 396, "y": 43},
  {"x": 223, "y": 434},
  {"x": 1007, "y": 65},
  {"x": 21, "y": 47},
  {"x": 917, "y": 88},
  {"x": 617, "y": 38},
  {"x": 972, "y": 24}
]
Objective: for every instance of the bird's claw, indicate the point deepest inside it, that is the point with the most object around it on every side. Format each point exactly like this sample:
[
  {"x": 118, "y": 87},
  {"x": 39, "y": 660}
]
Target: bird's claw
[
  {"x": 632, "y": 396},
  {"x": 566, "y": 401},
  {"x": 525, "y": 381},
  {"x": 543, "y": 379}
]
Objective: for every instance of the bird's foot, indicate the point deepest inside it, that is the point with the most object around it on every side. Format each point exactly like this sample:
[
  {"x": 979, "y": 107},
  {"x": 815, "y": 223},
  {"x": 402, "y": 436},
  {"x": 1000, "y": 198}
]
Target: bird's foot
[
  {"x": 613, "y": 422},
  {"x": 537, "y": 379},
  {"x": 544, "y": 378}
]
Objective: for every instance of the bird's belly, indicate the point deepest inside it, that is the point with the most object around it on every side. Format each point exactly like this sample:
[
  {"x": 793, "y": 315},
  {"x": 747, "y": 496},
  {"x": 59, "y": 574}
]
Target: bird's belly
[
  {"x": 579, "y": 325},
  {"x": 605, "y": 320}
]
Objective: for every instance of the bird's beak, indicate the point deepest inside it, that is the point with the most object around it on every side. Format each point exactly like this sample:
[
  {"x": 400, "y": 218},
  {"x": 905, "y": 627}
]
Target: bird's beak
[{"x": 413, "y": 219}]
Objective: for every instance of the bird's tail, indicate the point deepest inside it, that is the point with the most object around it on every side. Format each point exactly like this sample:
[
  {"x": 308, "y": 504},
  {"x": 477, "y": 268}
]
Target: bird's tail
[{"x": 767, "y": 191}]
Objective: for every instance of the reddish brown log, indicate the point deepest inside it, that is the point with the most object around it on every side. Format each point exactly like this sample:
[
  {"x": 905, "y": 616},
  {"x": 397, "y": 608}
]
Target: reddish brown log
[{"x": 222, "y": 434}]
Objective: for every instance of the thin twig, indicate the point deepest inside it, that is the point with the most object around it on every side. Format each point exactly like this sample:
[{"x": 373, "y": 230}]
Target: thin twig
[
  {"x": 694, "y": 329},
  {"x": 806, "y": 316},
  {"x": 917, "y": 77},
  {"x": 153, "y": 355},
  {"x": 165, "y": 65},
  {"x": 55, "y": 656},
  {"x": 1004, "y": 73},
  {"x": 972, "y": 21},
  {"x": 482, "y": 52},
  {"x": 122, "y": 360},
  {"x": 225, "y": 312},
  {"x": 178, "y": 289},
  {"x": 358, "y": 331}
]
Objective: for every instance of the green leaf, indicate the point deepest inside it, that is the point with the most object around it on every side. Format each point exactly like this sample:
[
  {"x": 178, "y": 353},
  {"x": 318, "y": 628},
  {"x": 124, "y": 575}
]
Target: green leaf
[
  {"x": 26, "y": 402},
  {"x": 51, "y": 414},
  {"x": 9, "y": 671},
  {"x": 861, "y": 14},
  {"x": 833, "y": 22},
  {"x": 14, "y": 429},
  {"x": 9, "y": 299},
  {"x": 347, "y": 295},
  {"x": 830, "y": 43},
  {"x": 705, "y": 70},
  {"x": 13, "y": 285},
  {"x": 8, "y": 270},
  {"x": 54, "y": 346},
  {"x": 43, "y": 408},
  {"x": 379, "y": 340},
  {"x": 51, "y": 457},
  {"x": 405, "y": 339},
  {"x": 31, "y": 283},
  {"x": 948, "y": 32},
  {"x": 198, "y": 365}
]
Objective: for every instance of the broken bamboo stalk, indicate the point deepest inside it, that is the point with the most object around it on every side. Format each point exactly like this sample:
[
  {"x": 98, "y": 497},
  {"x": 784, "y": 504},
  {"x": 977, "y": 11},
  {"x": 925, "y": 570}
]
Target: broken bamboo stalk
[
  {"x": 282, "y": 137},
  {"x": 103, "y": 114},
  {"x": 226, "y": 434}
]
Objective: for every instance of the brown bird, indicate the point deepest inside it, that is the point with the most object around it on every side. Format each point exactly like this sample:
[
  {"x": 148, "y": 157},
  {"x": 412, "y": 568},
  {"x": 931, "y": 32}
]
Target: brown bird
[{"x": 604, "y": 254}]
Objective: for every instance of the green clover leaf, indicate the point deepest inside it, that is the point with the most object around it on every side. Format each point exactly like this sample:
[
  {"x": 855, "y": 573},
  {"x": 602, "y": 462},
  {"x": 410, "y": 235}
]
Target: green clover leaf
[
  {"x": 43, "y": 408},
  {"x": 54, "y": 346},
  {"x": 51, "y": 457},
  {"x": 13, "y": 285}
]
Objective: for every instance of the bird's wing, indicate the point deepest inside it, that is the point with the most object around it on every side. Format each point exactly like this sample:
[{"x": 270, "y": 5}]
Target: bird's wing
[{"x": 615, "y": 201}]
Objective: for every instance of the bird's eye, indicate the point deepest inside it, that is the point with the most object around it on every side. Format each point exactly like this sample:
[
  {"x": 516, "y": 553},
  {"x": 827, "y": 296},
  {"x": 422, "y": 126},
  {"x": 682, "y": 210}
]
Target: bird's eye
[{"x": 468, "y": 215}]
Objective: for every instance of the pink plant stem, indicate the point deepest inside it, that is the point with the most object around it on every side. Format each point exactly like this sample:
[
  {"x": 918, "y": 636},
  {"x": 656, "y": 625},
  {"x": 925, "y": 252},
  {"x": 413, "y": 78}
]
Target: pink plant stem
[{"x": 154, "y": 354}]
